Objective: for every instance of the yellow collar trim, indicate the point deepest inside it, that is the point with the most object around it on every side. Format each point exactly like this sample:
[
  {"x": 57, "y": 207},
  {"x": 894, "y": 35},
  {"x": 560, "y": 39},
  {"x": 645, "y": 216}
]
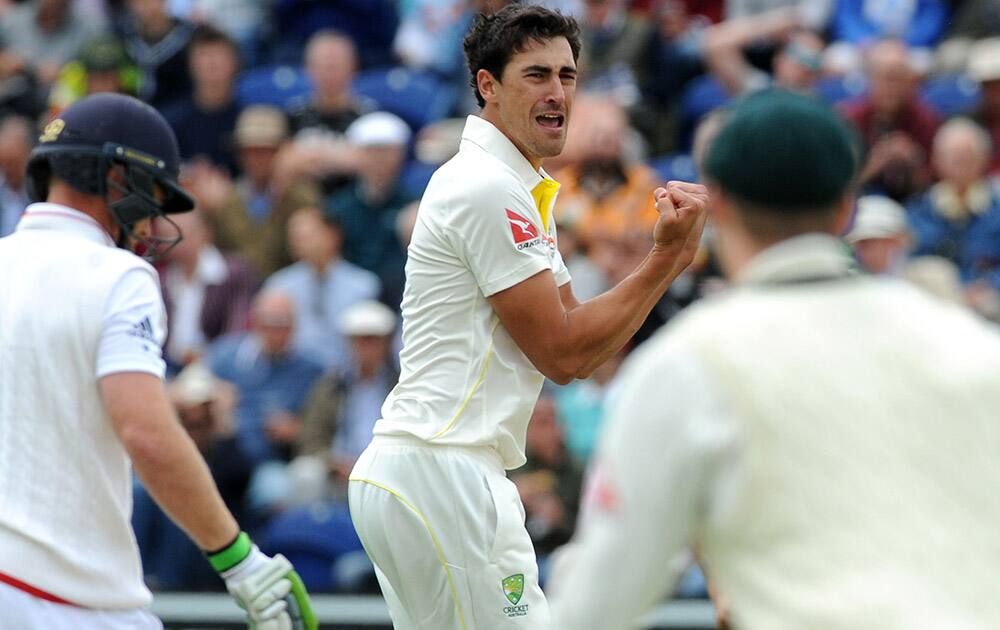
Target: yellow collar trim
[{"x": 545, "y": 195}]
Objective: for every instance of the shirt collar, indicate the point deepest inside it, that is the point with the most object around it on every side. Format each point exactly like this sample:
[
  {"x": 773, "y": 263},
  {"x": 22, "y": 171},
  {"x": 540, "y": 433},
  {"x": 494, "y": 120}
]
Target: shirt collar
[
  {"x": 950, "y": 204},
  {"x": 53, "y": 216},
  {"x": 802, "y": 258},
  {"x": 483, "y": 134}
]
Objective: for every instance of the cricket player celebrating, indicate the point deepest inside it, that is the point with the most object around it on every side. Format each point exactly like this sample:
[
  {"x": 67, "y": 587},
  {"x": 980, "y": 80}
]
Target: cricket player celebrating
[
  {"x": 488, "y": 314},
  {"x": 826, "y": 441},
  {"x": 81, "y": 392}
]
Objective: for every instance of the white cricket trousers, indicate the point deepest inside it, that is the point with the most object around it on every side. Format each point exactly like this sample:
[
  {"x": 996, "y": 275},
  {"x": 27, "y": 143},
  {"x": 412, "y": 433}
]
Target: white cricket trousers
[
  {"x": 21, "y": 611},
  {"x": 445, "y": 530}
]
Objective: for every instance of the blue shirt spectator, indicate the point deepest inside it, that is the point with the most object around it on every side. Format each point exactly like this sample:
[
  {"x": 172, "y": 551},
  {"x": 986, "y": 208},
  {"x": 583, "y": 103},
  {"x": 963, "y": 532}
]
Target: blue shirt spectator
[
  {"x": 959, "y": 217},
  {"x": 322, "y": 286},
  {"x": 970, "y": 239},
  {"x": 272, "y": 379}
]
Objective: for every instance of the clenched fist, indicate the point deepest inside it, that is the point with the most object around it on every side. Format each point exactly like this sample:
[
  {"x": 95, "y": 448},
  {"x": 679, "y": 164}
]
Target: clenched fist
[{"x": 682, "y": 207}]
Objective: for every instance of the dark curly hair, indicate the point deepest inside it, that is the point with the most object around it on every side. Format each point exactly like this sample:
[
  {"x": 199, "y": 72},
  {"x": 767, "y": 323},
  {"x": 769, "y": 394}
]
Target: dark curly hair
[{"x": 494, "y": 39}]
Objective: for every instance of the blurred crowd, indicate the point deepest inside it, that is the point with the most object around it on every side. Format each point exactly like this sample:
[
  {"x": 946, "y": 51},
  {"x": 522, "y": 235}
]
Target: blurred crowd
[{"x": 309, "y": 129}]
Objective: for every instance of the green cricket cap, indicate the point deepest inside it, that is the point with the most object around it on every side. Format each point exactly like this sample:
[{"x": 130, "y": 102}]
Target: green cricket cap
[{"x": 783, "y": 150}]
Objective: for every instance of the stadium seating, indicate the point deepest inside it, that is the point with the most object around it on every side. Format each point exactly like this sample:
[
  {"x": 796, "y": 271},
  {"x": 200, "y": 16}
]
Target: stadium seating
[
  {"x": 313, "y": 537},
  {"x": 418, "y": 98},
  {"x": 281, "y": 86}
]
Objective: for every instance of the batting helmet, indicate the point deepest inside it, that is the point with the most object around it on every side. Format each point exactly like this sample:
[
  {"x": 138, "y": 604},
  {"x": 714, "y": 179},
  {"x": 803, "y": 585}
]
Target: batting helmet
[{"x": 82, "y": 144}]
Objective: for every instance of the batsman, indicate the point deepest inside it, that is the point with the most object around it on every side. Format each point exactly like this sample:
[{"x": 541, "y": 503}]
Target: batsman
[{"x": 82, "y": 400}]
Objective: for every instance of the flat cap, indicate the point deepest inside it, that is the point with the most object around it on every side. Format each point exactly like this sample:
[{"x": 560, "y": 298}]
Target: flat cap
[{"x": 784, "y": 151}]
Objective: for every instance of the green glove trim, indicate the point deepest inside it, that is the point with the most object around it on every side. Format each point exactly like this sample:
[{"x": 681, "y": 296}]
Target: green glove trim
[
  {"x": 230, "y": 556},
  {"x": 301, "y": 596}
]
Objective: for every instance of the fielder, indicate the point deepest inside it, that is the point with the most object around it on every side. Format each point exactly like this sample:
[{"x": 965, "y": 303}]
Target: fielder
[
  {"x": 825, "y": 440},
  {"x": 81, "y": 392},
  {"x": 488, "y": 313}
]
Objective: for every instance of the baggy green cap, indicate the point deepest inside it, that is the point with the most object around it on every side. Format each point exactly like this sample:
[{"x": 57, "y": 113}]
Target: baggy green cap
[{"x": 783, "y": 150}]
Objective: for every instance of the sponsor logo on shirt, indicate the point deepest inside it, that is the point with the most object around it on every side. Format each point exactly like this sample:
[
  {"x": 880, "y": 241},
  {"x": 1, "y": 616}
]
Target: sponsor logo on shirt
[
  {"x": 601, "y": 494},
  {"x": 513, "y": 589},
  {"x": 524, "y": 231},
  {"x": 143, "y": 330}
]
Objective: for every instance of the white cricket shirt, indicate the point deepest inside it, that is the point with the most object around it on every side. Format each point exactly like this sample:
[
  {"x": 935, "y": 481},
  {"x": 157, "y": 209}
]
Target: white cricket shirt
[
  {"x": 479, "y": 231},
  {"x": 73, "y": 308},
  {"x": 828, "y": 446}
]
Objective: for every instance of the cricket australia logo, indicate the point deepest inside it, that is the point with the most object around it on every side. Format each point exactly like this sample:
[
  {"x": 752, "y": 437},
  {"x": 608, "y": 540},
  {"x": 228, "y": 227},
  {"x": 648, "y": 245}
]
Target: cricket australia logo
[{"x": 513, "y": 589}]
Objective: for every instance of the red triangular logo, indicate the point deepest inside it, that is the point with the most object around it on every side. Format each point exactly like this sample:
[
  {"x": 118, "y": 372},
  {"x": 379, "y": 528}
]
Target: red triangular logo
[{"x": 522, "y": 229}]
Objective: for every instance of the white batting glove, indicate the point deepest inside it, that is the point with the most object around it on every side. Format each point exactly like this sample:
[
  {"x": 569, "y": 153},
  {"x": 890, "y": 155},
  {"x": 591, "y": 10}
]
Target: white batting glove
[{"x": 268, "y": 588}]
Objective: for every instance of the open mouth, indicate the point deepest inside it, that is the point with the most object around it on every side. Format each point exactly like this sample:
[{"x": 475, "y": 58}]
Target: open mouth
[{"x": 551, "y": 120}]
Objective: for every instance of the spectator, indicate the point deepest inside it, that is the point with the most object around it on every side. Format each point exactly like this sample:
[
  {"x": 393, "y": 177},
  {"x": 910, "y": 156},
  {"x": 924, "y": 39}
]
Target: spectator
[
  {"x": 368, "y": 209},
  {"x": 984, "y": 67},
  {"x": 272, "y": 381},
  {"x": 16, "y": 141},
  {"x": 249, "y": 216},
  {"x": 204, "y": 120},
  {"x": 549, "y": 483},
  {"x": 371, "y": 24},
  {"x": 207, "y": 294},
  {"x": 674, "y": 57},
  {"x": 169, "y": 559},
  {"x": 612, "y": 57},
  {"x": 157, "y": 43},
  {"x": 45, "y": 34},
  {"x": 896, "y": 126},
  {"x": 430, "y": 36},
  {"x": 103, "y": 66},
  {"x": 880, "y": 235},
  {"x": 796, "y": 66},
  {"x": 331, "y": 63},
  {"x": 603, "y": 194},
  {"x": 318, "y": 125},
  {"x": 959, "y": 217},
  {"x": 343, "y": 405},
  {"x": 241, "y": 20},
  {"x": 20, "y": 92},
  {"x": 322, "y": 286}
]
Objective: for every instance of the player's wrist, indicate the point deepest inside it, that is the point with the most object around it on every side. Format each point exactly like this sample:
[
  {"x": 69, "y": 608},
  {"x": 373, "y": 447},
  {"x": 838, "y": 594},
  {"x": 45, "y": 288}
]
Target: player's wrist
[{"x": 227, "y": 558}]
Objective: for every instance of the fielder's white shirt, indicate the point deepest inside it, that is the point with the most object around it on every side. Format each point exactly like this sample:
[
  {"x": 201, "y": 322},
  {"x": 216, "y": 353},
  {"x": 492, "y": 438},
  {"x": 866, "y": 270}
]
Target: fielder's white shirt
[
  {"x": 484, "y": 225},
  {"x": 73, "y": 308},
  {"x": 828, "y": 448}
]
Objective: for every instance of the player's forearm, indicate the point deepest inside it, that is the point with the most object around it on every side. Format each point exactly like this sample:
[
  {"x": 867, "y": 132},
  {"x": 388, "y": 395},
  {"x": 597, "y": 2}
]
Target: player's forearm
[
  {"x": 176, "y": 476},
  {"x": 165, "y": 458},
  {"x": 600, "y": 327},
  {"x": 739, "y": 33}
]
